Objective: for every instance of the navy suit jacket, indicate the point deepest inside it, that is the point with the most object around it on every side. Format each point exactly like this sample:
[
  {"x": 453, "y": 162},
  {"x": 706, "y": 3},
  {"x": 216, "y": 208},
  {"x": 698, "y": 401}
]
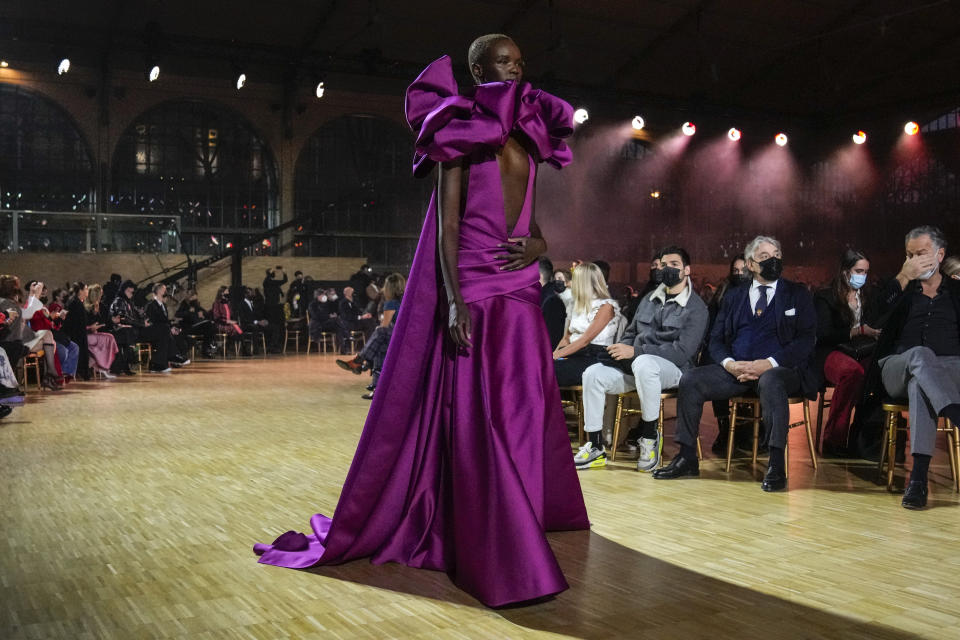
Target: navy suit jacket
[{"x": 796, "y": 329}]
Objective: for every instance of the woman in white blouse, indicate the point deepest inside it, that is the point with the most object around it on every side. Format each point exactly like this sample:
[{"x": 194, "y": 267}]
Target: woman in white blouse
[{"x": 592, "y": 326}]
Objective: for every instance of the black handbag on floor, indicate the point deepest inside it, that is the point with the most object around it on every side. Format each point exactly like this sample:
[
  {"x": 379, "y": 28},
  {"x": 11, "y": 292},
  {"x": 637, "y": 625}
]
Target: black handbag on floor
[{"x": 859, "y": 348}]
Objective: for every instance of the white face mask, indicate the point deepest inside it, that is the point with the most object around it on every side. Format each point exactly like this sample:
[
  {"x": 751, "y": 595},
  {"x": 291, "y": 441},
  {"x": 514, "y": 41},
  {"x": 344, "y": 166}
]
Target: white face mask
[
  {"x": 323, "y": 298},
  {"x": 333, "y": 298},
  {"x": 928, "y": 274}
]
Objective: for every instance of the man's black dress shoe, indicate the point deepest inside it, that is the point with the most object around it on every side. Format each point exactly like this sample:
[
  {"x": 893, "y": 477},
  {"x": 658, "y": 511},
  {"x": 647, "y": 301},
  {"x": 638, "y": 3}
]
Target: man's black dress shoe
[
  {"x": 915, "y": 497},
  {"x": 5, "y": 411},
  {"x": 774, "y": 480},
  {"x": 679, "y": 467}
]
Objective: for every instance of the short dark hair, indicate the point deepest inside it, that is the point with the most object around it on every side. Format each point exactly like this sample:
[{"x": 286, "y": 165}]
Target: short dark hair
[
  {"x": 680, "y": 251},
  {"x": 297, "y": 273},
  {"x": 546, "y": 268}
]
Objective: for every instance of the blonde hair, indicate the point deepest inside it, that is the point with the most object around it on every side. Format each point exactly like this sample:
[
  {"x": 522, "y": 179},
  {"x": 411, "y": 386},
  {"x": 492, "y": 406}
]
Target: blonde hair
[
  {"x": 588, "y": 284},
  {"x": 393, "y": 286},
  {"x": 94, "y": 294}
]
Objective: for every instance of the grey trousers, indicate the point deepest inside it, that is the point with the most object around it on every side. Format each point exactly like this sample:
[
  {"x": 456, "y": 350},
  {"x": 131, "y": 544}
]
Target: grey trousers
[{"x": 930, "y": 383}]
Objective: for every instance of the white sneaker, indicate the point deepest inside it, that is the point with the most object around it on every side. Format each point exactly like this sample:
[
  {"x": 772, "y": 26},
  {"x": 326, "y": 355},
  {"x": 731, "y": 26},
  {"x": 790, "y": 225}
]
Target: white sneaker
[
  {"x": 650, "y": 450},
  {"x": 588, "y": 457},
  {"x": 106, "y": 374}
]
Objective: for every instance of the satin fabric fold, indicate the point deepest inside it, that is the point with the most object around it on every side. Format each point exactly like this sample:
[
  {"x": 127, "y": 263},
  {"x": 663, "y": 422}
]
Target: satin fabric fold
[{"x": 464, "y": 461}]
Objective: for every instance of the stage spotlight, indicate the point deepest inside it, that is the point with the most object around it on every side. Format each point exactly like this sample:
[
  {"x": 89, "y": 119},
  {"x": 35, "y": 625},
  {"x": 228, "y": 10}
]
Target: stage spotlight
[
  {"x": 859, "y": 137},
  {"x": 781, "y": 139},
  {"x": 63, "y": 67},
  {"x": 320, "y": 89},
  {"x": 637, "y": 123},
  {"x": 154, "y": 74},
  {"x": 655, "y": 195},
  {"x": 241, "y": 80},
  {"x": 4, "y": 64},
  {"x": 580, "y": 115},
  {"x": 911, "y": 128},
  {"x": 688, "y": 128},
  {"x": 734, "y": 134}
]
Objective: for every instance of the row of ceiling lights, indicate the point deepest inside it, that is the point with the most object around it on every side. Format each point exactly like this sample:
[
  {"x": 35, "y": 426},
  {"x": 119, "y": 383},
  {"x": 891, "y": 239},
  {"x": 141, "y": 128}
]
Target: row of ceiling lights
[
  {"x": 153, "y": 74},
  {"x": 581, "y": 115}
]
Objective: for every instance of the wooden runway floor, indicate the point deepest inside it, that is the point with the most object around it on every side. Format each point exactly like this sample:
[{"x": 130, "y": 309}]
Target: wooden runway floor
[{"x": 129, "y": 509}]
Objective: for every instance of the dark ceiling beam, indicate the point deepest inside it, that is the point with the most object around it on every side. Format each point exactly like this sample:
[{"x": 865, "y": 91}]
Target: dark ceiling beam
[
  {"x": 309, "y": 39},
  {"x": 678, "y": 25}
]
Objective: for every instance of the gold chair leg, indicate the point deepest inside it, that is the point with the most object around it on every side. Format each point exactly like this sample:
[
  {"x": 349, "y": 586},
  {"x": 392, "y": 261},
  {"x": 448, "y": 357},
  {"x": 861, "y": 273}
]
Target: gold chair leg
[
  {"x": 786, "y": 456},
  {"x": 891, "y": 447},
  {"x": 616, "y": 427},
  {"x": 806, "y": 424},
  {"x": 820, "y": 402},
  {"x": 580, "y": 431},
  {"x": 956, "y": 457},
  {"x": 756, "y": 430},
  {"x": 733, "y": 426}
]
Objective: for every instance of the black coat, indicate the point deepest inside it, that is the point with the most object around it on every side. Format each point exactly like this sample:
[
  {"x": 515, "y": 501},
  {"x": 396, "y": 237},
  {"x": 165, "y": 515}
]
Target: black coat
[
  {"x": 832, "y": 328},
  {"x": 554, "y": 313},
  {"x": 796, "y": 331}
]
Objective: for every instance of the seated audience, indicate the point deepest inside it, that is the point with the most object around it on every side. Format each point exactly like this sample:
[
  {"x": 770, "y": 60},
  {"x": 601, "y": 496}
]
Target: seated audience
[
  {"x": 762, "y": 341},
  {"x": 551, "y": 305},
  {"x": 252, "y": 321},
  {"x": 221, "y": 314},
  {"x": 195, "y": 321},
  {"x": 737, "y": 276},
  {"x": 375, "y": 350},
  {"x": 160, "y": 329},
  {"x": 845, "y": 345},
  {"x": 660, "y": 344},
  {"x": 20, "y": 338},
  {"x": 102, "y": 343},
  {"x": 134, "y": 327},
  {"x": 919, "y": 349},
  {"x": 43, "y": 319},
  {"x": 563, "y": 278},
  {"x": 98, "y": 349},
  {"x": 655, "y": 273},
  {"x": 593, "y": 326},
  {"x": 350, "y": 318},
  {"x": 322, "y": 313}
]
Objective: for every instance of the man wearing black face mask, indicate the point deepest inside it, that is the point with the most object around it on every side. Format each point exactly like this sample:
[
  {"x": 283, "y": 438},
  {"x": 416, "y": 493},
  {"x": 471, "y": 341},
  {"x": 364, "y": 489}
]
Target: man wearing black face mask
[
  {"x": 658, "y": 346},
  {"x": 656, "y": 275},
  {"x": 763, "y": 340}
]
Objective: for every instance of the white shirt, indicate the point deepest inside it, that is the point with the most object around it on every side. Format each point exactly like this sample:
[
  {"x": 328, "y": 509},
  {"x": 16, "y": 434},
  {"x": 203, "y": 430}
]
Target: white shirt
[
  {"x": 754, "y": 295},
  {"x": 580, "y": 321}
]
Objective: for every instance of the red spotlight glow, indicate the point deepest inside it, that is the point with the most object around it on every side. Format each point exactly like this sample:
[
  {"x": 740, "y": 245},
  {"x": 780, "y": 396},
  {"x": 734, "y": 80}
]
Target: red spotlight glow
[
  {"x": 734, "y": 134},
  {"x": 781, "y": 139},
  {"x": 688, "y": 128},
  {"x": 911, "y": 128},
  {"x": 859, "y": 137}
]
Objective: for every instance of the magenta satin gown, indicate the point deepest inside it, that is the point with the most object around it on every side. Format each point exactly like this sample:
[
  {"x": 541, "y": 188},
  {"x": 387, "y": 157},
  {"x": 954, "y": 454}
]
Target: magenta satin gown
[{"x": 464, "y": 461}]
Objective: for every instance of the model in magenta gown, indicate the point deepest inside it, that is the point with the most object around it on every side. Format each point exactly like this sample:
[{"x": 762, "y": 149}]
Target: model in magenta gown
[{"x": 464, "y": 461}]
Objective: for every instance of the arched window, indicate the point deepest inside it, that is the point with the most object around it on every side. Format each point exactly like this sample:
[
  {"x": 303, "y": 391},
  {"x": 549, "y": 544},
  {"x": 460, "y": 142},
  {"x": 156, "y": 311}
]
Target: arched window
[
  {"x": 45, "y": 164},
  {"x": 354, "y": 180},
  {"x": 201, "y": 162}
]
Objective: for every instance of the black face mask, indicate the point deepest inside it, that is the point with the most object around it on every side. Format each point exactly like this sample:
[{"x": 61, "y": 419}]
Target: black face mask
[
  {"x": 771, "y": 268},
  {"x": 559, "y": 286},
  {"x": 671, "y": 276},
  {"x": 656, "y": 276}
]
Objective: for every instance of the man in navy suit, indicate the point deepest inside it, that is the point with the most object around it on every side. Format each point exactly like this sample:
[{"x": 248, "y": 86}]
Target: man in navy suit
[{"x": 763, "y": 340}]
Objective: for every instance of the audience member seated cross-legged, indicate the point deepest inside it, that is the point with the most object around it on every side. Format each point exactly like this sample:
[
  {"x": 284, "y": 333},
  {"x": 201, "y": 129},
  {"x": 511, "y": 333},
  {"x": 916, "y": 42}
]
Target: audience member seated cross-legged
[
  {"x": 195, "y": 321},
  {"x": 105, "y": 352},
  {"x": 9, "y": 387},
  {"x": 657, "y": 348},
  {"x": 20, "y": 332},
  {"x": 134, "y": 327},
  {"x": 763, "y": 341},
  {"x": 39, "y": 316},
  {"x": 375, "y": 350},
  {"x": 350, "y": 318},
  {"x": 594, "y": 324},
  {"x": 919, "y": 349},
  {"x": 254, "y": 323},
  {"x": 222, "y": 314},
  {"x": 322, "y": 313},
  {"x": 82, "y": 323},
  {"x": 845, "y": 344},
  {"x": 160, "y": 329}
]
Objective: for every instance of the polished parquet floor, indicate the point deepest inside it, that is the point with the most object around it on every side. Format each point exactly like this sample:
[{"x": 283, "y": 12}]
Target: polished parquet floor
[{"x": 129, "y": 509}]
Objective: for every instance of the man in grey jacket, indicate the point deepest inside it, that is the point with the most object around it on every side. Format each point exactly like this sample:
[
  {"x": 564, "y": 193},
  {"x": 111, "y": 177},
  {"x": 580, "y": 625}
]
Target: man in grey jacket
[{"x": 660, "y": 344}]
